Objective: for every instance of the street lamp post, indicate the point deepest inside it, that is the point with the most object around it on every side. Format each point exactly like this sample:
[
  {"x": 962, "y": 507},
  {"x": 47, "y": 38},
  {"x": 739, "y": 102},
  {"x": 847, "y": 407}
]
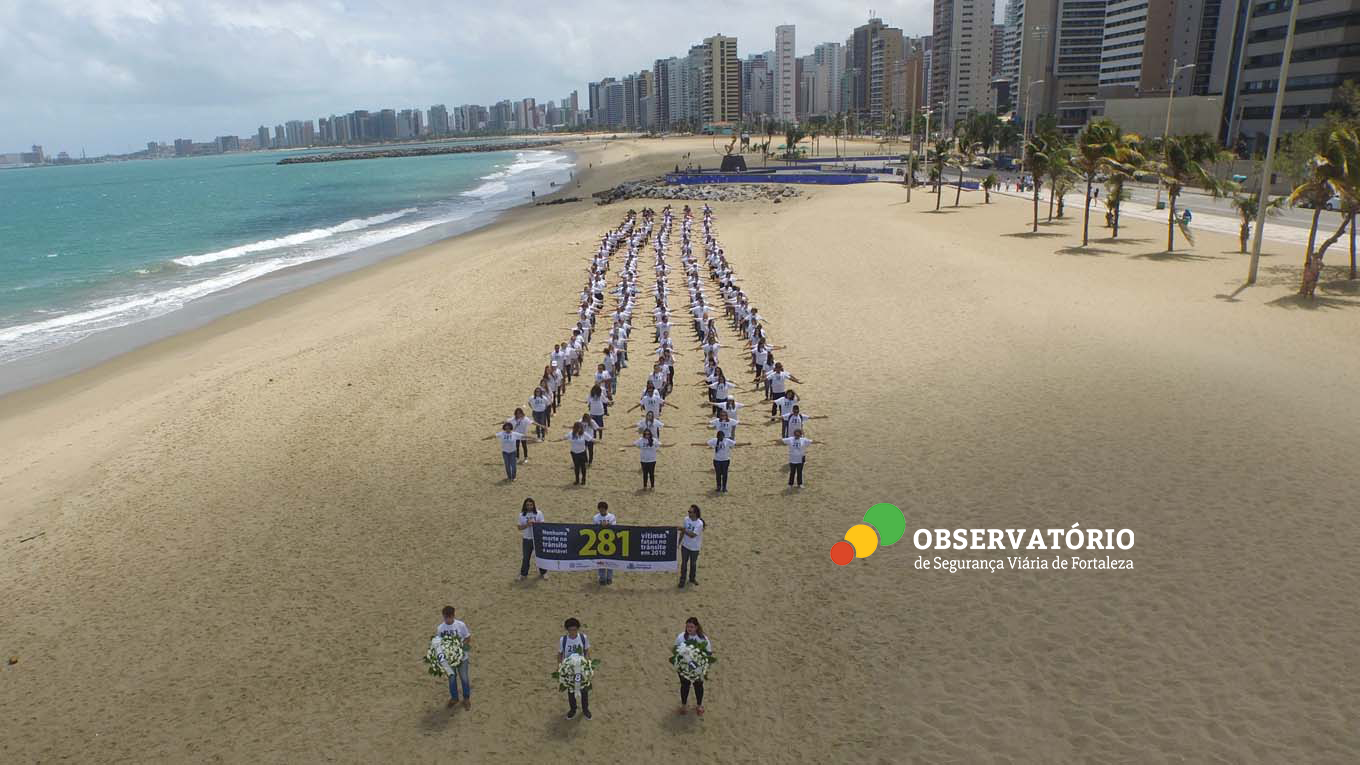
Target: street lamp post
[
  {"x": 1024, "y": 128},
  {"x": 1270, "y": 148},
  {"x": 911, "y": 154},
  {"x": 1170, "y": 95}
]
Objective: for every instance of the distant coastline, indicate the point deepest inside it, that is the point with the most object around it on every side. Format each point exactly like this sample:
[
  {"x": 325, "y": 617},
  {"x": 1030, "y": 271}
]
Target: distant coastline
[{"x": 424, "y": 151}]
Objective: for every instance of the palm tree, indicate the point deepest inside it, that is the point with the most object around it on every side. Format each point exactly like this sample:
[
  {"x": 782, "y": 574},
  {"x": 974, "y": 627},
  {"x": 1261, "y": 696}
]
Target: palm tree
[
  {"x": 1333, "y": 170},
  {"x": 938, "y": 172},
  {"x": 1007, "y": 135},
  {"x": 1246, "y": 207},
  {"x": 988, "y": 183},
  {"x": 1059, "y": 169},
  {"x": 1128, "y": 159},
  {"x": 1097, "y": 145},
  {"x": 965, "y": 149},
  {"x": 1187, "y": 160},
  {"x": 1036, "y": 159}
]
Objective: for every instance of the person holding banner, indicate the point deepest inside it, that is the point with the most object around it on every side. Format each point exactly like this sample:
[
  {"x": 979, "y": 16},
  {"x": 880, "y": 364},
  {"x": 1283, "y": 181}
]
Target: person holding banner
[
  {"x": 529, "y": 514},
  {"x": 722, "y": 456},
  {"x": 579, "y": 440},
  {"x": 603, "y": 518},
  {"x": 691, "y": 539},
  {"x": 694, "y": 633},
  {"x": 575, "y": 641}
]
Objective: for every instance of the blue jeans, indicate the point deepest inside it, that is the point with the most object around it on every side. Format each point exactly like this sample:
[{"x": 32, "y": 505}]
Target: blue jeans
[
  {"x": 460, "y": 673},
  {"x": 509, "y": 458}
]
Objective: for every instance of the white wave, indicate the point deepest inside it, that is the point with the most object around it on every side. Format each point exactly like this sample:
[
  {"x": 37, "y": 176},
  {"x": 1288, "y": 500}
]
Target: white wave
[
  {"x": 488, "y": 189},
  {"x": 26, "y": 339},
  {"x": 292, "y": 240}
]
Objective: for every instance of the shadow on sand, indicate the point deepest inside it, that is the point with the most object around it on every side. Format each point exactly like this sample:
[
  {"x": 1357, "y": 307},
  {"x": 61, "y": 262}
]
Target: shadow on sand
[
  {"x": 1035, "y": 234},
  {"x": 1087, "y": 250},
  {"x": 1179, "y": 256}
]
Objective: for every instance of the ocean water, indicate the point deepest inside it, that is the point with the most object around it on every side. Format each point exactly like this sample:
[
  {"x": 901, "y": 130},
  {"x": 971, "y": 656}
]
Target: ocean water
[{"x": 89, "y": 248}]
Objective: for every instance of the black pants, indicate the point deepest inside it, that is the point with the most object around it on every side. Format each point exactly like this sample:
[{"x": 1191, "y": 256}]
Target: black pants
[
  {"x": 688, "y": 559},
  {"x": 590, "y": 453},
  {"x": 522, "y": 446},
  {"x": 784, "y": 428},
  {"x": 585, "y": 700},
  {"x": 578, "y": 466},
  {"x": 796, "y": 468},
  {"x": 648, "y": 474},
  {"x": 541, "y": 422},
  {"x": 720, "y": 473},
  {"x": 698, "y": 691},
  {"x": 527, "y": 553}
]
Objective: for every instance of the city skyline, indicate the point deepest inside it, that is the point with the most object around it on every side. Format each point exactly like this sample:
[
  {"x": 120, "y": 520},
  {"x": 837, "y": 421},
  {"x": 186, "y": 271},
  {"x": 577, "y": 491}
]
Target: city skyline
[{"x": 158, "y": 70}]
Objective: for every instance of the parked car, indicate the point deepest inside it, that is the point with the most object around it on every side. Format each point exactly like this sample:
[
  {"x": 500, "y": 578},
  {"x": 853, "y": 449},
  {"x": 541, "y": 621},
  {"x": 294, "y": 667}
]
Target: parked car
[{"x": 1332, "y": 204}]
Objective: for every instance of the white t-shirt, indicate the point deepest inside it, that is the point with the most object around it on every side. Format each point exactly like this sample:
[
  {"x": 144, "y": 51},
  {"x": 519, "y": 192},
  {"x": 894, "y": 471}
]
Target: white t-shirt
[
  {"x": 508, "y": 440},
  {"x": 521, "y": 425},
  {"x": 696, "y": 527},
  {"x": 655, "y": 426},
  {"x": 721, "y": 453},
  {"x": 457, "y": 628},
  {"x": 797, "y": 448},
  {"x": 539, "y": 403},
  {"x": 777, "y": 380},
  {"x": 725, "y": 427},
  {"x": 607, "y": 518},
  {"x": 721, "y": 390},
  {"x": 568, "y": 645},
  {"x": 528, "y": 531},
  {"x": 796, "y": 422},
  {"x": 595, "y": 405},
  {"x": 652, "y": 403},
  {"x": 578, "y": 443},
  {"x": 680, "y": 640},
  {"x": 787, "y": 404},
  {"x": 648, "y": 453}
]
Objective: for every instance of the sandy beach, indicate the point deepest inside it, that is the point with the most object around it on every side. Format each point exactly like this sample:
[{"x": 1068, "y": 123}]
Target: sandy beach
[{"x": 232, "y": 545}]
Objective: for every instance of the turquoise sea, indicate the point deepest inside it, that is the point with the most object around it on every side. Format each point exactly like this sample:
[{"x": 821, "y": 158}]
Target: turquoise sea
[{"x": 88, "y": 248}]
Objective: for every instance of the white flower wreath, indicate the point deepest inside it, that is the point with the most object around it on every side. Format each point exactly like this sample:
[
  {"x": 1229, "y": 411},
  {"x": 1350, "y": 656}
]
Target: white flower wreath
[
  {"x": 692, "y": 660},
  {"x": 575, "y": 673},
  {"x": 445, "y": 654}
]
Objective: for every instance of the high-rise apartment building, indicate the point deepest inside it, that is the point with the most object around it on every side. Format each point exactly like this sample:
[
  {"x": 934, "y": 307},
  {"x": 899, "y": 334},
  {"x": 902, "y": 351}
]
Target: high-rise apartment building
[
  {"x": 785, "y": 74},
  {"x": 886, "y": 55},
  {"x": 1326, "y": 54},
  {"x": 962, "y": 61},
  {"x": 262, "y": 138},
  {"x": 1135, "y": 53},
  {"x": 720, "y": 90},
  {"x": 439, "y": 120},
  {"x": 757, "y": 92},
  {"x": 829, "y": 60}
]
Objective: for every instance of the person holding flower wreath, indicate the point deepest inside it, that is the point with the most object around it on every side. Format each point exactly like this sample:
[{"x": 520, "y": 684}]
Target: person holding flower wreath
[
  {"x": 456, "y": 627},
  {"x": 691, "y": 657},
  {"x": 575, "y": 642}
]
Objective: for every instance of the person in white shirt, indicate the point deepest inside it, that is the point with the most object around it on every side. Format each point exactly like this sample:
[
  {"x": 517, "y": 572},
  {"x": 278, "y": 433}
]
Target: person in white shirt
[
  {"x": 725, "y": 423},
  {"x": 693, "y": 633},
  {"x": 529, "y": 515},
  {"x": 509, "y": 446},
  {"x": 650, "y": 422},
  {"x": 798, "y": 446},
  {"x": 452, "y": 626},
  {"x": 538, "y": 405},
  {"x": 652, "y": 401},
  {"x": 647, "y": 449},
  {"x": 579, "y": 440},
  {"x": 602, "y": 519},
  {"x": 598, "y": 405},
  {"x": 521, "y": 425},
  {"x": 575, "y": 641},
  {"x": 777, "y": 378},
  {"x": 722, "y": 457},
  {"x": 796, "y": 419},
  {"x": 691, "y": 539}
]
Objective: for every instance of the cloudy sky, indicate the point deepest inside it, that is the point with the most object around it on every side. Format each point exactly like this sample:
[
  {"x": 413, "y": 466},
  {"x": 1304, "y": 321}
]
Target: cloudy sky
[{"x": 110, "y": 75}]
